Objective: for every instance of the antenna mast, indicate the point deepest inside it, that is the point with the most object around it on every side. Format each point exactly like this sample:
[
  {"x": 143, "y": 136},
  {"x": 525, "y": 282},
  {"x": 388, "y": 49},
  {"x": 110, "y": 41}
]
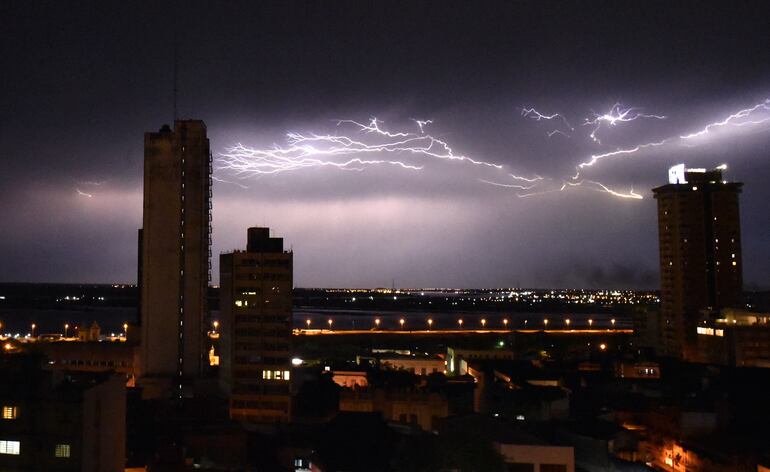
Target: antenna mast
[{"x": 176, "y": 74}]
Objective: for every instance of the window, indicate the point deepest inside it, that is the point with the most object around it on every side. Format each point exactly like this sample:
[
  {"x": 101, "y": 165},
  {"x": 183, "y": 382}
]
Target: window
[
  {"x": 9, "y": 412},
  {"x": 521, "y": 467},
  {"x": 10, "y": 447},
  {"x": 62, "y": 450},
  {"x": 553, "y": 468}
]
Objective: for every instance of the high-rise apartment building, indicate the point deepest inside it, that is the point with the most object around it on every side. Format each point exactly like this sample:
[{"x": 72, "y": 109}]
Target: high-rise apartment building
[
  {"x": 700, "y": 253},
  {"x": 255, "y": 309},
  {"x": 175, "y": 256}
]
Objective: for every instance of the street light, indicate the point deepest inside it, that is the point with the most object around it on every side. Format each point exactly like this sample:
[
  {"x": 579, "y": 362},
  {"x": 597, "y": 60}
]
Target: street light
[
  {"x": 460, "y": 322},
  {"x": 307, "y": 322},
  {"x": 590, "y": 322},
  {"x": 430, "y": 322},
  {"x": 505, "y": 322},
  {"x": 377, "y": 323},
  {"x": 66, "y": 328},
  {"x": 483, "y": 322},
  {"x": 567, "y": 322},
  {"x": 125, "y": 328},
  {"x": 545, "y": 322},
  {"x": 33, "y": 329},
  {"x": 330, "y": 323},
  {"x": 215, "y": 323},
  {"x": 401, "y": 322},
  {"x": 613, "y": 323}
]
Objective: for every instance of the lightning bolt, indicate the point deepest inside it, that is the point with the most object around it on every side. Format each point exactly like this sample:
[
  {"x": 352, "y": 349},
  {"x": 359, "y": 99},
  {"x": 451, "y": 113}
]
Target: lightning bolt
[
  {"x": 557, "y": 131},
  {"x": 345, "y": 150},
  {"x": 516, "y": 186},
  {"x": 597, "y": 157},
  {"x": 537, "y": 116},
  {"x": 587, "y": 184},
  {"x": 325, "y": 150},
  {"x": 616, "y": 114},
  {"x": 730, "y": 120},
  {"x": 83, "y": 194},
  {"x": 422, "y": 123}
]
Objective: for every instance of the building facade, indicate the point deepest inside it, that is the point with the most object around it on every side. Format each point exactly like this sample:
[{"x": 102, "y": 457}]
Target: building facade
[
  {"x": 175, "y": 257},
  {"x": 53, "y": 422},
  {"x": 256, "y": 310},
  {"x": 700, "y": 253}
]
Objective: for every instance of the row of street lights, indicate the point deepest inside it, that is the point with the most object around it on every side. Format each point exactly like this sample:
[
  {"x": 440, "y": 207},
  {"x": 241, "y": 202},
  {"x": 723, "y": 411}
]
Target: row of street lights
[
  {"x": 483, "y": 321},
  {"x": 33, "y": 327}
]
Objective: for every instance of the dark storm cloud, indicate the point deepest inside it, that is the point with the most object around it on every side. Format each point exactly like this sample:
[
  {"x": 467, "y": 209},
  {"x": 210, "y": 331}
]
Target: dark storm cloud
[{"x": 81, "y": 84}]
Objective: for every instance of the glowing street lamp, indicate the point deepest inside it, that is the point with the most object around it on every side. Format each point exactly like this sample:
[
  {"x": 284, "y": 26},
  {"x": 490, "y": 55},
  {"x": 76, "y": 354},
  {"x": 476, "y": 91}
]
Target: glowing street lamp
[
  {"x": 545, "y": 322},
  {"x": 377, "y": 323},
  {"x": 590, "y": 322},
  {"x": 613, "y": 323},
  {"x": 567, "y": 321},
  {"x": 216, "y": 325},
  {"x": 483, "y": 322},
  {"x": 330, "y": 323},
  {"x": 460, "y": 322},
  {"x": 401, "y": 322},
  {"x": 33, "y": 329},
  {"x": 430, "y": 322},
  {"x": 602, "y": 346},
  {"x": 125, "y": 328},
  {"x": 307, "y": 323},
  {"x": 505, "y": 322},
  {"x": 66, "y": 328}
]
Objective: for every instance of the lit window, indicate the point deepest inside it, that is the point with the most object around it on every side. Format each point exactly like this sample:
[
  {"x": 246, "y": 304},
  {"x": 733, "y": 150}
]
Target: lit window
[
  {"x": 62, "y": 450},
  {"x": 285, "y": 375},
  {"x": 10, "y": 447},
  {"x": 9, "y": 412},
  {"x": 238, "y": 303}
]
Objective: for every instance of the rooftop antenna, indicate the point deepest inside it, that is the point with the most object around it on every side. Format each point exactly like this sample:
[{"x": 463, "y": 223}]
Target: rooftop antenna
[{"x": 176, "y": 73}]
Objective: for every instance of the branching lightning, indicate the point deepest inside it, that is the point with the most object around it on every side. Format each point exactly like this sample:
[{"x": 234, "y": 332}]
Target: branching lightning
[
  {"x": 334, "y": 150},
  {"x": 346, "y": 148},
  {"x": 537, "y": 116},
  {"x": 732, "y": 120},
  {"x": 616, "y": 114},
  {"x": 83, "y": 194},
  {"x": 422, "y": 123}
]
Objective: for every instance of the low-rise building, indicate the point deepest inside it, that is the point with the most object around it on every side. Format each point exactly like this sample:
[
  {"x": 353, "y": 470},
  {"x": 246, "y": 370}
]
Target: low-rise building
[
  {"x": 736, "y": 338},
  {"x": 416, "y": 365},
  {"x": 56, "y": 422},
  {"x": 416, "y": 407}
]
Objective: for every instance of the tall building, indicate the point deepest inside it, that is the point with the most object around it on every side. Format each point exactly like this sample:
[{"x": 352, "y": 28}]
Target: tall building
[
  {"x": 255, "y": 307},
  {"x": 700, "y": 253},
  {"x": 175, "y": 262}
]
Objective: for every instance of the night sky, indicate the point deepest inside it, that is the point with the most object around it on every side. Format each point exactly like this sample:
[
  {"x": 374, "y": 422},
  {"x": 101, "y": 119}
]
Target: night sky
[{"x": 81, "y": 83}]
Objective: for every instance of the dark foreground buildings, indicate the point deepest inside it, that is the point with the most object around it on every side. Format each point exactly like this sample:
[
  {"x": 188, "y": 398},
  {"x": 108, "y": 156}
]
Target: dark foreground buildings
[
  {"x": 700, "y": 253},
  {"x": 256, "y": 306},
  {"x": 175, "y": 257},
  {"x": 56, "y": 422}
]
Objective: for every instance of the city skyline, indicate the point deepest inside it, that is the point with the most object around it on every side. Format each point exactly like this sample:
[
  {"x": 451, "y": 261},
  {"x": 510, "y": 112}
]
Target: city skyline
[{"x": 444, "y": 225}]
